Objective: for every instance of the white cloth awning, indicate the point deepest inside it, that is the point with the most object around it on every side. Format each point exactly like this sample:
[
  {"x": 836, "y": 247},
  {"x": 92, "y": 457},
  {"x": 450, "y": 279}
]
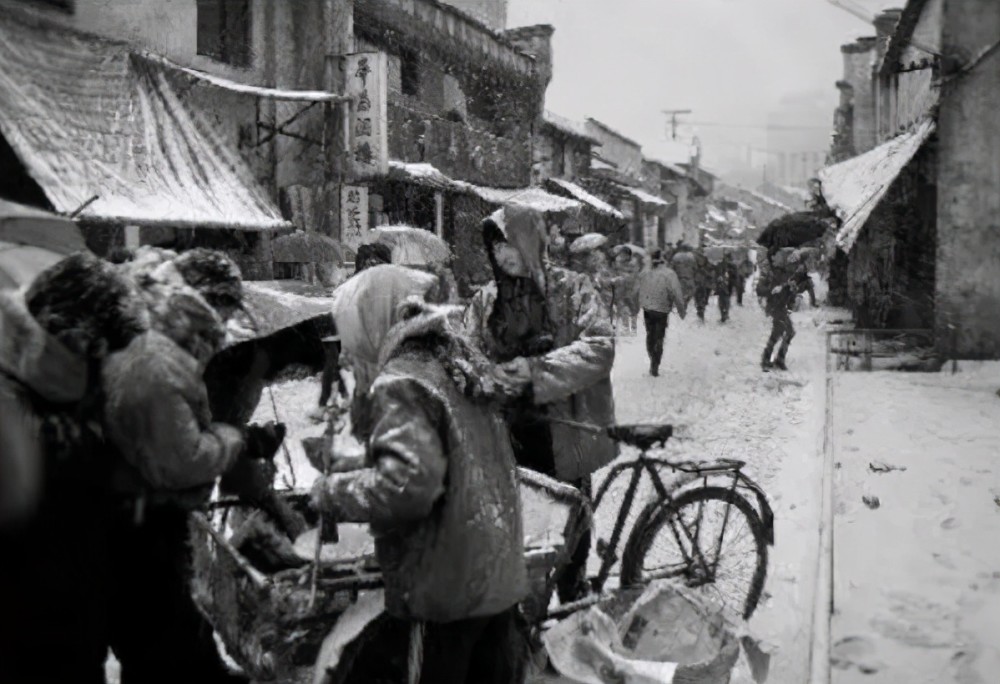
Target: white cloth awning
[
  {"x": 420, "y": 174},
  {"x": 533, "y": 197},
  {"x": 263, "y": 92},
  {"x": 92, "y": 122},
  {"x": 853, "y": 188},
  {"x": 587, "y": 198},
  {"x": 645, "y": 197}
]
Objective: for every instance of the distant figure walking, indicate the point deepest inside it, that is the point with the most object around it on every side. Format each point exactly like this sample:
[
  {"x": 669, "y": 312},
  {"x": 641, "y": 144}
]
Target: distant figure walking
[{"x": 659, "y": 292}]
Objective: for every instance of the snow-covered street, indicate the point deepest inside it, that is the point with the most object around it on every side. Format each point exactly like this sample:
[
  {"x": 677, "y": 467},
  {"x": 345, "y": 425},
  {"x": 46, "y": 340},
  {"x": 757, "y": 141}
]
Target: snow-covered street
[{"x": 712, "y": 388}]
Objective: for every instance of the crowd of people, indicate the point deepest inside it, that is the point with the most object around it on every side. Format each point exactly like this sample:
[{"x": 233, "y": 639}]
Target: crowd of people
[{"x": 109, "y": 440}]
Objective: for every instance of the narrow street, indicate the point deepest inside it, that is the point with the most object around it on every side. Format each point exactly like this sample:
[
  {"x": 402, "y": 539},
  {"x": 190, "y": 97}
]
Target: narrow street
[{"x": 711, "y": 387}]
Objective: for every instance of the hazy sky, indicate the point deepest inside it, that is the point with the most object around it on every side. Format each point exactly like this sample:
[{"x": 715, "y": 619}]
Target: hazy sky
[{"x": 730, "y": 61}]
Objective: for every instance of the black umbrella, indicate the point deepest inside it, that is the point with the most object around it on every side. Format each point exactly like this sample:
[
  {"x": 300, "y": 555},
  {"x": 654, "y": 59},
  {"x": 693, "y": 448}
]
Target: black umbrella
[{"x": 792, "y": 230}]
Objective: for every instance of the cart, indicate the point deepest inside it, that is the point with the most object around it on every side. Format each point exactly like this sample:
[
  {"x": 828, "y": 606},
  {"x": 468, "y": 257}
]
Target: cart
[{"x": 273, "y": 624}]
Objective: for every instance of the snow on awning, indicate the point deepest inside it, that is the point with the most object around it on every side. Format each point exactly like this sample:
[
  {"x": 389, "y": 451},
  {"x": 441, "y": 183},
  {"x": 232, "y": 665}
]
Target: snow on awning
[
  {"x": 263, "y": 92},
  {"x": 88, "y": 118},
  {"x": 420, "y": 174},
  {"x": 853, "y": 188},
  {"x": 645, "y": 197},
  {"x": 533, "y": 197},
  {"x": 587, "y": 198}
]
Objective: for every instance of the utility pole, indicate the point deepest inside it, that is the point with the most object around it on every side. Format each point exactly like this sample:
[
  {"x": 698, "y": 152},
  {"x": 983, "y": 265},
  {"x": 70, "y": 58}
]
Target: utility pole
[{"x": 673, "y": 113}]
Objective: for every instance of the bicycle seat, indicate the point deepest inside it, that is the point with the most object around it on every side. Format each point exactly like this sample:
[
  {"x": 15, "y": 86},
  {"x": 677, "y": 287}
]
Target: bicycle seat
[{"x": 641, "y": 436}]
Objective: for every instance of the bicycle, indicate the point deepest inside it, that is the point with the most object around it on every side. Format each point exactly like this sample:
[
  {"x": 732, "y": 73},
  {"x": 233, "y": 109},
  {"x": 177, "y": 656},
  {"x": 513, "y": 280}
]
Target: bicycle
[{"x": 684, "y": 512}]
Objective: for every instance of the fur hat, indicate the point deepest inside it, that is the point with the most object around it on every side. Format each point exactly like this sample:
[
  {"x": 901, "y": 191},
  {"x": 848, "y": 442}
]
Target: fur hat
[
  {"x": 214, "y": 275},
  {"x": 86, "y": 303}
]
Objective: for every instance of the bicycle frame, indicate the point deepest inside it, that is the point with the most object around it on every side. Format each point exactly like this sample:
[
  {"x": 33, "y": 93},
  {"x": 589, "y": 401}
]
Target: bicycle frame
[{"x": 649, "y": 464}]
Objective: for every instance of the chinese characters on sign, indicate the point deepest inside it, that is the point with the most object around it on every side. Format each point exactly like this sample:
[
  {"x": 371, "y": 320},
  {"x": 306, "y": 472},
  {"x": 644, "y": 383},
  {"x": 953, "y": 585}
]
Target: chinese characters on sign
[
  {"x": 367, "y": 76},
  {"x": 353, "y": 215}
]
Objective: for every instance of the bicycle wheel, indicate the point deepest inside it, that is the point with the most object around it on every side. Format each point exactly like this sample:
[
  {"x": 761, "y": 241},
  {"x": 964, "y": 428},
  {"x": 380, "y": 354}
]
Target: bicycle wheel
[{"x": 710, "y": 536}]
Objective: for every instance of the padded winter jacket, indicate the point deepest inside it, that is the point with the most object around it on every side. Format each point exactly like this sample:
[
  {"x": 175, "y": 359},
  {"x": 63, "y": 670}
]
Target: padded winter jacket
[
  {"x": 440, "y": 493},
  {"x": 157, "y": 415},
  {"x": 660, "y": 290},
  {"x": 573, "y": 381}
]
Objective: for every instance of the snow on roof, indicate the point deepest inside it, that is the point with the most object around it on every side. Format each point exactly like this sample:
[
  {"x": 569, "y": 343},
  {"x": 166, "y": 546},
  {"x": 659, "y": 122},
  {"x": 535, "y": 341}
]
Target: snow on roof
[
  {"x": 612, "y": 132},
  {"x": 853, "y": 188},
  {"x": 579, "y": 193},
  {"x": 420, "y": 174},
  {"x": 716, "y": 214},
  {"x": 645, "y": 197},
  {"x": 533, "y": 197},
  {"x": 569, "y": 127},
  {"x": 88, "y": 119},
  {"x": 771, "y": 201}
]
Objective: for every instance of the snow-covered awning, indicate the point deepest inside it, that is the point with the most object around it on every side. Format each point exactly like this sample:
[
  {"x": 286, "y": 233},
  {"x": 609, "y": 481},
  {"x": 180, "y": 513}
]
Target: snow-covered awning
[
  {"x": 262, "y": 92},
  {"x": 645, "y": 197},
  {"x": 92, "y": 122},
  {"x": 853, "y": 188},
  {"x": 420, "y": 174},
  {"x": 587, "y": 198},
  {"x": 533, "y": 197}
]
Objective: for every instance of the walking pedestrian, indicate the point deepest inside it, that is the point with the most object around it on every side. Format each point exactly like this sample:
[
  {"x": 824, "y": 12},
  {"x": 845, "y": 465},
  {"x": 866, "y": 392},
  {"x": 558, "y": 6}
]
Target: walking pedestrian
[
  {"x": 439, "y": 486},
  {"x": 704, "y": 281},
  {"x": 549, "y": 331},
  {"x": 744, "y": 269},
  {"x": 659, "y": 292},
  {"x": 785, "y": 287},
  {"x": 683, "y": 264},
  {"x": 586, "y": 256},
  {"x": 625, "y": 293},
  {"x": 726, "y": 282}
]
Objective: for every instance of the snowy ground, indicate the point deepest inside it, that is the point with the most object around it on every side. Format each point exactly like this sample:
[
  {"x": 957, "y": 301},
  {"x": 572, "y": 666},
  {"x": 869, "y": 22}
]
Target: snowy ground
[
  {"x": 712, "y": 388},
  {"x": 917, "y": 575}
]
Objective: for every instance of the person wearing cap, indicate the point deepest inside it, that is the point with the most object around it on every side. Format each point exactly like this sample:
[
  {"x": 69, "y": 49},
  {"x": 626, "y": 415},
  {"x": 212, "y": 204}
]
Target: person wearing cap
[
  {"x": 549, "y": 332},
  {"x": 169, "y": 452},
  {"x": 659, "y": 292}
]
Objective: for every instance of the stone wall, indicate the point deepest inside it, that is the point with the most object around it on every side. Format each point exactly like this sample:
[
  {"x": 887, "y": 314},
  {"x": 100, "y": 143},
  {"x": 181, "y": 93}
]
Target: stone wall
[{"x": 968, "y": 277}]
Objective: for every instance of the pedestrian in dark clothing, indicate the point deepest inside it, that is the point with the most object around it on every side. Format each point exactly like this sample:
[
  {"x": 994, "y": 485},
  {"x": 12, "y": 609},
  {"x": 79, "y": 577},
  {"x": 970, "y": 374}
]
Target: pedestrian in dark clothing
[
  {"x": 804, "y": 283},
  {"x": 726, "y": 282},
  {"x": 744, "y": 270},
  {"x": 372, "y": 254},
  {"x": 439, "y": 486},
  {"x": 704, "y": 282},
  {"x": 785, "y": 287},
  {"x": 659, "y": 292}
]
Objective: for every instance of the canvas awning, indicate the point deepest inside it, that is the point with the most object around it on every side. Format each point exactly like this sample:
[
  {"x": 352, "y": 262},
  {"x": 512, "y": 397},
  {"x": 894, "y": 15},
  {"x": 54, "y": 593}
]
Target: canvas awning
[
  {"x": 853, "y": 188},
  {"x": 587, "y": 198},
  {"x": 645, "y": 197},
  {"x": 87, "y": 118},
  {"x": 533, "y": 197},
  {"x": 420, "y": 174}
]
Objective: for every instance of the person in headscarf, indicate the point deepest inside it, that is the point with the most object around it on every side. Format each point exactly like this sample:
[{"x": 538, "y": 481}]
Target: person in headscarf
[
  {"x": 54, "y": 584},
  {"x": 439, "y": 486},
  {"x": 170, "y": 452},
  {"x": 366, "y": 326},
  {"x": 550, "y": 332}
]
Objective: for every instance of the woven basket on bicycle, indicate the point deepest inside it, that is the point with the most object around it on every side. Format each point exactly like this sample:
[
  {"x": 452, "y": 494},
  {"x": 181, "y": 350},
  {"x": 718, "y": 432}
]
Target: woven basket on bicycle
[{"x": 272, "y": 626}]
